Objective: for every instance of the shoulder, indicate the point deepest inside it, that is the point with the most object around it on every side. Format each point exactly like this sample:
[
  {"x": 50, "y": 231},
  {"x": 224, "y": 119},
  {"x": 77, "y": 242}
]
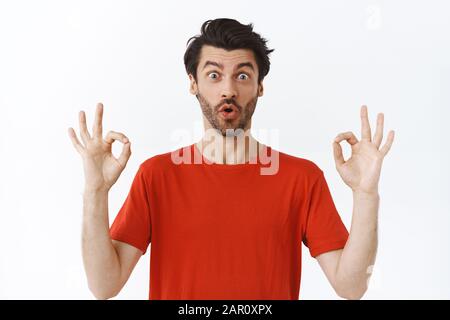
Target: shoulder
[
  {"x": 300, "y": 165},
  {"x": 160, "y": 162}
]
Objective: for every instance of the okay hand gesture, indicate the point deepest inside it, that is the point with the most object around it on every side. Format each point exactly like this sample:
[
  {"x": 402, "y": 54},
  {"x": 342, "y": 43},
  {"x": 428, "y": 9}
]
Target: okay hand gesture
[
  {"x": 361, "y": 172},
  {"x": 101, "y": 168}
]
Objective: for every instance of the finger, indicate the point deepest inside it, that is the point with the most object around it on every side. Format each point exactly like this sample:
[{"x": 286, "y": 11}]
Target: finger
[
  {"x": 365, "y": 126},
  {"x": 98, "y": 127},
  {"x": 111, "y": 136},
  {"x": 338, "y": 156},
  {"x": 349, "y": 136},
  {"x": 84, "y": 133},
  {"x": 379, "y": 132},
  {"x": 76, "y": 143},
  {"x": 125, "y": 155},
  {"x": 387, "y": 145}
]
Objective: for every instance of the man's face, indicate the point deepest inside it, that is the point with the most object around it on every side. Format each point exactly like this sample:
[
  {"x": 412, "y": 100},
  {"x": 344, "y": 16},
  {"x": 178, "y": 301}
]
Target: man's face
[{"x": 227, "y": 87}]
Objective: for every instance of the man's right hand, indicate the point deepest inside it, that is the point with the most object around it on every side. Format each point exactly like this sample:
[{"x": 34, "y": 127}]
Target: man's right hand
[{"x": 101, "y": 168}]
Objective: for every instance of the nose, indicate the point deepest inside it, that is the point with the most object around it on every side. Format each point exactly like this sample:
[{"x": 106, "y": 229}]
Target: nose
[{"x": 229, "y": 90}]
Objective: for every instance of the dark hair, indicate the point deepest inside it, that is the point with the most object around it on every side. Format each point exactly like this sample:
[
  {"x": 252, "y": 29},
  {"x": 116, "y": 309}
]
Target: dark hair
[{"x": 228, "y": 34}]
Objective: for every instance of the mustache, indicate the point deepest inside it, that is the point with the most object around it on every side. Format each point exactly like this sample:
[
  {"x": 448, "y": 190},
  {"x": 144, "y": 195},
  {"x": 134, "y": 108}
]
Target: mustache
[{"x": 229, "y": 101}]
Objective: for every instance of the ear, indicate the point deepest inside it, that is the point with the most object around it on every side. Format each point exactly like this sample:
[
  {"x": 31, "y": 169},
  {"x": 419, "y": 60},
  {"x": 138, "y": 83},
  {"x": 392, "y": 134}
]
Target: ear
[
  {"x": 193, "y": 88},
  {"x": 260, "y": 89}
]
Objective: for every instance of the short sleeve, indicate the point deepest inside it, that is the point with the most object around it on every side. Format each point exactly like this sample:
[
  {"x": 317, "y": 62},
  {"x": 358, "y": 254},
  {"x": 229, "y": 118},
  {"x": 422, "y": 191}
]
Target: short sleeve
[
  {"x": 324, "y": 230},
  {"x": 133, "y": 222}
]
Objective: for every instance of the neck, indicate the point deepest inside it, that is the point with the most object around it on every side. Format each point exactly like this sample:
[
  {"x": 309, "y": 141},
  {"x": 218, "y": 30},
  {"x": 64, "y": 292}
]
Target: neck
[{"x": 221, "y": 149}]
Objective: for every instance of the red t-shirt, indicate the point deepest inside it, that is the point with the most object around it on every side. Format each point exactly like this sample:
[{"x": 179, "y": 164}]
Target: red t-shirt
[{"x": 222, "y": 231}]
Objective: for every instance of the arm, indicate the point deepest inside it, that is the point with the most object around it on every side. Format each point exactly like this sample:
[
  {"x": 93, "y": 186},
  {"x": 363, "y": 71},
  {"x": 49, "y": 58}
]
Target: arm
[
  {"x": 107, "y": 263},
  {"x": 348, "y": 269},
  {"x": 100, "y": 258}
]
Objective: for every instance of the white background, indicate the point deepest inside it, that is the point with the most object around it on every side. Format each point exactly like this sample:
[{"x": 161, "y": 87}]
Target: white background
[{"x": 59, "y": 57}]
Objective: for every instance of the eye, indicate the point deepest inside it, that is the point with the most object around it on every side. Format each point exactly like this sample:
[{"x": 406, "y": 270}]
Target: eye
[
  {"x": 243, "y": 74},
  {"x": 213, "y": 73}
]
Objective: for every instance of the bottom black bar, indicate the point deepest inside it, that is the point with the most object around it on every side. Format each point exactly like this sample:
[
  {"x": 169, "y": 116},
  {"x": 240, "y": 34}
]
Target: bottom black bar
[{"x": 226, "y": 309}]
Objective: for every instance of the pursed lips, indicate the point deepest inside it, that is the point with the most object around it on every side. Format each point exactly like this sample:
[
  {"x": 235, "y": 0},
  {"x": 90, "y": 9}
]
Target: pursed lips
[{"x": 228, "y": 108}]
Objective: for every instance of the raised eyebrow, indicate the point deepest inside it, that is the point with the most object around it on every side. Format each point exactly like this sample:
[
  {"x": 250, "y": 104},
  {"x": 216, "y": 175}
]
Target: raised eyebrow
[
  {"x": 212, "y": 63},
  {"x": 220, "y": 66},
  {"x": 245, "y": 64}
]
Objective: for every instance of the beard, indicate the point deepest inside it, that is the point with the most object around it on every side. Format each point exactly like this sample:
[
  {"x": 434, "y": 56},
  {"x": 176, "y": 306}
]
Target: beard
[{"x": 222, "y": 125}]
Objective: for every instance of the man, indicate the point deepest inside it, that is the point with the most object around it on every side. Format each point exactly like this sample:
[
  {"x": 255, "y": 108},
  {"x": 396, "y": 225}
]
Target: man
[{"x": 220, "y": 228}]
